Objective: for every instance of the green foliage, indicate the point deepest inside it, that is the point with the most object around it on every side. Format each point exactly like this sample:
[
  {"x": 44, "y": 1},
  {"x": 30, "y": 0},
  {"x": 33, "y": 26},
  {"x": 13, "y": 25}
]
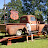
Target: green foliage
[
  {"x": 38, "y": 15},
  {"x": 38, "y": 12},
  {"x": 13, "y": 21},
  {"x": 17, "y": 5},
  {"x": 28, "y": 8},
  {"x": 1, "y": 13},
  {"x": 47, "y": 11},
  {"x": 42, "y": 43},
  {"x": 47, "y": 15}
]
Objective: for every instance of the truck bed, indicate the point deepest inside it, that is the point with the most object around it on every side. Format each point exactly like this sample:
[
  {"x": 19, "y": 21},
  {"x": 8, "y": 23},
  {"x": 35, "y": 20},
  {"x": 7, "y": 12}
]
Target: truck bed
[{"x": 12, "y": 28}]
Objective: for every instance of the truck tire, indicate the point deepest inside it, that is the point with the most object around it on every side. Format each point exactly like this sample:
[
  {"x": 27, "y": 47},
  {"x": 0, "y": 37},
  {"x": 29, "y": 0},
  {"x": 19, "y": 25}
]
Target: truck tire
[
  {"x": 44, "y": 33},
  {"x": 19, "y": 32}
]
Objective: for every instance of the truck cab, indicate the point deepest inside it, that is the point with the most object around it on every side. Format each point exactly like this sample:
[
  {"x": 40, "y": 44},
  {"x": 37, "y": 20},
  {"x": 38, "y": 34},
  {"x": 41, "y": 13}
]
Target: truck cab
[{"x": 29, "y": 19}]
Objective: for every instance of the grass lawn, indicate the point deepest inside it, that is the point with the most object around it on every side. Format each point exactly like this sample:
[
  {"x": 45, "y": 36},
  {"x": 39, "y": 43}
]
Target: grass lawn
[{"x": 42, "y": 43}]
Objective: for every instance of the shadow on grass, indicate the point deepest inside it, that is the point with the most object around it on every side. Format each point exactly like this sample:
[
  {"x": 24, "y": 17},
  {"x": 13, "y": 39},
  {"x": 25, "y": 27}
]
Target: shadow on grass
[
  {"x": 17, "y": 40},
  {"x": 14, "y": 41}
]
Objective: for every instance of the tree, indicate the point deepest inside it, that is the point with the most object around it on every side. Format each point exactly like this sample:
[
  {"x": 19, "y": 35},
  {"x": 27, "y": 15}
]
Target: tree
[
  {"x": 17, "y": 5},
  {"x": 47, "y": 11},
  {"x": 1, "y": 13},
  {"x": 47, "y": 15},
  {"x": 35, "y": 7},
  {"x": 38, "y": 15}
]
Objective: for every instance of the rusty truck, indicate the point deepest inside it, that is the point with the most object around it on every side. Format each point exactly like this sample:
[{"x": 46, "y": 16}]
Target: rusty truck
[{"x": 28, "y": 21}]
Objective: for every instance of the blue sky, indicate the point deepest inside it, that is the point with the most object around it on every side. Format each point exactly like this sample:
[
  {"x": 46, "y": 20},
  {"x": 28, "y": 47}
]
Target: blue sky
[{"x": 2, "y": 3}]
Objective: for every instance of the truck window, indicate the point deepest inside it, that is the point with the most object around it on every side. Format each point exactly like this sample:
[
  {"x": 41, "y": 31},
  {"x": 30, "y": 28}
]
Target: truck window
[
  {"x": 24, "y": 18},
  {"x": 33, "y": 19}
]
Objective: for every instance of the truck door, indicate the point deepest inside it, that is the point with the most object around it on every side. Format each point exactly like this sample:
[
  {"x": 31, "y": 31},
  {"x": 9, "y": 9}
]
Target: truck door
[{"x": 33, "y": 23}]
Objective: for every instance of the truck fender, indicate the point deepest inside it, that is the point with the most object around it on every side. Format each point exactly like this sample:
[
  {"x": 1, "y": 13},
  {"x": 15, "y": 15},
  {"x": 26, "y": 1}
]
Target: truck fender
[{"x": 44, "y": 31}]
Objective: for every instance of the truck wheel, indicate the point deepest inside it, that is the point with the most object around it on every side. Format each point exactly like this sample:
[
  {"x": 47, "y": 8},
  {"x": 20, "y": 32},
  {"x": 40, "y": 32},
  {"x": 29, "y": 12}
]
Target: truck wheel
[
  {"x": 19, "y": 32},
  {"x": 44, "y": 33}
]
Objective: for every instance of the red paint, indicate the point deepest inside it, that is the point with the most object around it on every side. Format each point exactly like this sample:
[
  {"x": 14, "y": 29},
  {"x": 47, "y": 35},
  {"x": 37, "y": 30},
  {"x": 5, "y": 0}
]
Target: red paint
[{"x": 14, "y": 15}]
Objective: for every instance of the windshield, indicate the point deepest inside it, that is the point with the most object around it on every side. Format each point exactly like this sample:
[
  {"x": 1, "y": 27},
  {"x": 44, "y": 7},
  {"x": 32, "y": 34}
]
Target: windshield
[{"x": 33, "y": 19}]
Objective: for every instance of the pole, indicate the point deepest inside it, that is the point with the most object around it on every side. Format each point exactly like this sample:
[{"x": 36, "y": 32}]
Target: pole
[{"x": 4, "y": 11}]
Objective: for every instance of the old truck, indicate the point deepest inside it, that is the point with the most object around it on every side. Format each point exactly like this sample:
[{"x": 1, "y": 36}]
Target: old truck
[{"x": 26, "y": 21}]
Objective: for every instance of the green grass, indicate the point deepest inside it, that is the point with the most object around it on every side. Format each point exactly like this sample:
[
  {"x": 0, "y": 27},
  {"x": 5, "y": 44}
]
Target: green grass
[
  {"x": 42, "y": 43},
  {"x": 38, "y": 43}
]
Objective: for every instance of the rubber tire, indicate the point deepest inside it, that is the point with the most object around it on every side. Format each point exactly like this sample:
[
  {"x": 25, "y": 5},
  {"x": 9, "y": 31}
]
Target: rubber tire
[
  {"x": 19, "y": 32},
  {"x": 45, "y": 32}
]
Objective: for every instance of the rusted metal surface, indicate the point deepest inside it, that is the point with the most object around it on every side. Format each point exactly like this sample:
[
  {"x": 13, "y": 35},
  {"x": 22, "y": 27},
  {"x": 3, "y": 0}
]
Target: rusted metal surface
[
  {"x": 9, "y": 42},
  {"x": 41, "y": 26},
  {"x": 14, "y": 37},
  {"x": 14, "y": 15},
  {"x": 11, "y": 38},
  {"x": 3, "y": 39},
  {"x": 12, "y": 28}
]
